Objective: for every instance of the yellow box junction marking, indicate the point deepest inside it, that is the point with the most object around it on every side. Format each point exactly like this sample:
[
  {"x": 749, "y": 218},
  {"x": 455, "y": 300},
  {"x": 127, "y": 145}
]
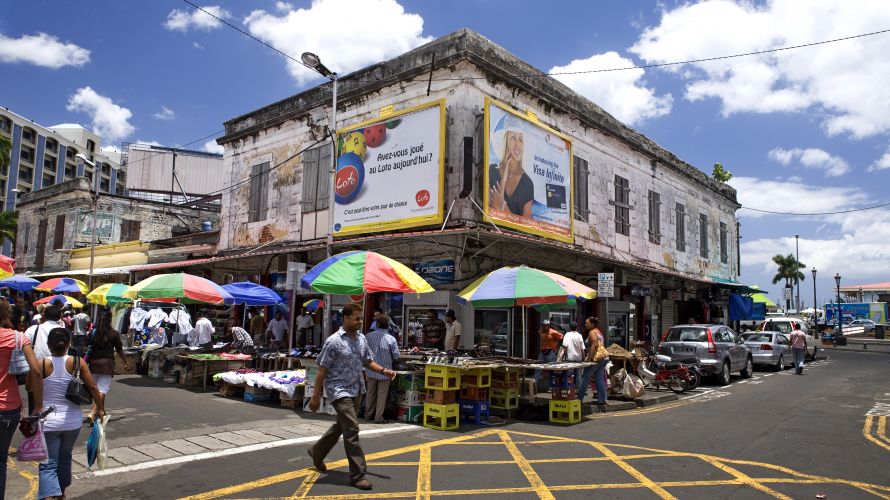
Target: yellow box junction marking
[
  {"x": 880, "y": 433},
  {"x": 620, "y": 454}
]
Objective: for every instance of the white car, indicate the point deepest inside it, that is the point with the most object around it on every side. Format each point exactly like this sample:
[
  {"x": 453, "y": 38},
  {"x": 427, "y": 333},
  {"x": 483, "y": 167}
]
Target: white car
[{"x": 786, "y": 326}]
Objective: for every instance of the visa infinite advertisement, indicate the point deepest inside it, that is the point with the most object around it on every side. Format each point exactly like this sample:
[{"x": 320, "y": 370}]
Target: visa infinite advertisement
[
  {"x": 528, "y": 174},
  {"x": 390, "y": 172}
]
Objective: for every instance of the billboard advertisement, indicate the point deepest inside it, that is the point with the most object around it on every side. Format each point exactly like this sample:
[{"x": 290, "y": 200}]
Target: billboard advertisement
[
  {"x": 528, "y": 174},
  {"x": 104, "y": 227},
  {"x": 436, "y": 272},
  {"x": 390, "y": 172}
]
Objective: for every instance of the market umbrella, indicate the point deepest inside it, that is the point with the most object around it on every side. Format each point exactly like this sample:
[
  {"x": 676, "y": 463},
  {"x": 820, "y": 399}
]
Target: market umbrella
[
  {"x": 523, "y": 286},
  {"x": 362, "y": 271},
  {"x": 252, "y": 294},
  {"x": 60, "y": 300},
  {"x": 19, "y": 282},
  {"x": 313, "y": 305},
  {"x": 63, "y": 285},
  {"x": 109, "y": 294},
  {"x": 761, "y": 297},
  {"x": 7, "y": 266},
  {"x": 187, "y": 288}
]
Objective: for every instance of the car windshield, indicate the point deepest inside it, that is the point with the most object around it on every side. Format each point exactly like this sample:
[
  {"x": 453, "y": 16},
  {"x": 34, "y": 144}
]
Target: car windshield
[
  {"x": 784, "y": 326},
  {"x": 687, "y": 334},
  {"x": 760, "y": 337}
]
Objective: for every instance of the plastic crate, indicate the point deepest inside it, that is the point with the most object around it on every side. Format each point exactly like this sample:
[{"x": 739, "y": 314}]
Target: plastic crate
[
  {"x": 474, "y": 393},
  {"x": 562, "y": 379},
  {"x": 409, "y": 414},
  {"x": 563, "y": 393},
  {"x": 228, "y": 390},
  {"x": 504, "y": 399},
  {"x": 477, "y": 377},
  {"x": 565, "y": 412},
  {"x": 410, "y": 382},
  {"x": 441, "y": 417},
  {"x": 445, "y": 378},
  {"x": 411, "y": 398},
  {"x": 504, "y": 376},
  {"x": 257, "y": 398},
  {"x": 475, "y": 411},
  {"x": 438, "y": 397}
]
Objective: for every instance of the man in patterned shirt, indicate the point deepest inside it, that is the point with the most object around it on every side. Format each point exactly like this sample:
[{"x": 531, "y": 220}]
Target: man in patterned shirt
[{"x": 340, "y": 365}]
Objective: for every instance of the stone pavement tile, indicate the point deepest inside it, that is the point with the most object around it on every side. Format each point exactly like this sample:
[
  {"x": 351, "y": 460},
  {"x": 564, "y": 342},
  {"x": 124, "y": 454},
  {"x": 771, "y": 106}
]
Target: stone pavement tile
[
  {"x": 155, "y": 451},
  {"x": 209, "y": 442},
  {"x": 79, "y": 459},
  {"x": 257, "y": 436},
  {"x": 232, "y": 438},
  {"x": 183, "y": 447},
  {"x": 128, "y": 456},
  {"x": 283, "y": 432}
]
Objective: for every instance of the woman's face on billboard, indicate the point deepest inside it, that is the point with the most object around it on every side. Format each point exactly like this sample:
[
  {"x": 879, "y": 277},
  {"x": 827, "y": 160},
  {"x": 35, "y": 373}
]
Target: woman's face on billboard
[{"x": 514, "y": 145}]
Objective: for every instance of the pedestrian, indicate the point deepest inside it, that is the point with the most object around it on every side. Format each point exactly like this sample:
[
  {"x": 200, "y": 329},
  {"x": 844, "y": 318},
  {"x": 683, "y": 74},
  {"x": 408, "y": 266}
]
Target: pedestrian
[
  {"x": 203, "y": 332},
  {"x": 549, "y": 345},
  {"x": 240, "y": 337},
  {"x": 434, "y": 330},
  {"x": 62, "y": 426},
  {"x": 572, "y": 349},
  {"x": 277, "y": 330},
  {"x": 394, "y": 329},
  {"x": 80, "y": 327},
  {"x": 593, "y": 331},
  {"x": 340, "y": 364},
  {"x": 104, "y": 342},
  {"x": 385, "y": 350},
  {"x": 305, "y": 324},
  {"x": 798, "y": 347},
  {"x": 10, "y": 401},
  {"x": 50, "y": 320},
  {"x": 258, "y": 327},
  {"x": 598, "y": 354},
  {"x": 453, "y": 329}
]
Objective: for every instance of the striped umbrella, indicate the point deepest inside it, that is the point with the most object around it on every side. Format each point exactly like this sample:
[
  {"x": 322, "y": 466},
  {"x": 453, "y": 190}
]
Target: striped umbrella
[
  {"x": 109, "y": 294},
  {"x": 523, "y": 286},
  {"x": 63, "y": 285},
  {"x": 60, "y": 300},
  {"x": 7, "y": 266},
  {"x": 188, "y": 288},
  {"x": 361, "y": 271},
  {"x": 313, "y": 305}
]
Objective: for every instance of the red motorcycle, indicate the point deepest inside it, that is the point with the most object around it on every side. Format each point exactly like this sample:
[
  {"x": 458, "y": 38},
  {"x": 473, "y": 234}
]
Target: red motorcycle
[{"x": 658, "y": 370}]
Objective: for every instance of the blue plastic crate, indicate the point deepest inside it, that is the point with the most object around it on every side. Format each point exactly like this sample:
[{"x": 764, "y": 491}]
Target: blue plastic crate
[
  {"x": 257, "y": 398},
  {"x": 475, "y": 411}
]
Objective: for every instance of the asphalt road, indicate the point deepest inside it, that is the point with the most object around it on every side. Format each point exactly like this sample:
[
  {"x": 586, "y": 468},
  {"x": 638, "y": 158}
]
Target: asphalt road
[{"x": 776, "y": 435}]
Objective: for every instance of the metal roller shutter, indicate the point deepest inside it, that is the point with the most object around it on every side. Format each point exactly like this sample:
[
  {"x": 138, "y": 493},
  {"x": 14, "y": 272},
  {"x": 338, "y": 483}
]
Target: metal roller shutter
[{"x": 668, "y": 317}]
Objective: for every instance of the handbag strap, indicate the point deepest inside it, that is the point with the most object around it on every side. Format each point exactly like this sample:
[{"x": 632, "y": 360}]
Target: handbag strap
[
  {"x": 19, "y": 340},
  {"x": 76, "y": 373}
]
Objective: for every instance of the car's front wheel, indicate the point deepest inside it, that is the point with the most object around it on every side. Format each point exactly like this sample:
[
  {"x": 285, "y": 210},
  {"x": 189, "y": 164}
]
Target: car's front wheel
[
  {"x": 723, "y": 374},
  {"x": 748, "y": 370}
]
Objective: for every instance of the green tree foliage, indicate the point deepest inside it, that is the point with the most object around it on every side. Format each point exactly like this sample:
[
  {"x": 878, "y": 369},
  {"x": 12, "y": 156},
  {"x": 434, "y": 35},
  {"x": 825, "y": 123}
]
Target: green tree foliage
[
  {"x": 5, "y": 151},
  {"x": 788, "y": 268},
  {"x": 8, "y": 224},
  {"x": 720, "y": 173}
]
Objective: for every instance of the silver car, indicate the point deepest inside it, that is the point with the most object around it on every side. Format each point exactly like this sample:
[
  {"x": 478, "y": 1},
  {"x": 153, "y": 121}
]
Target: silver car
[
  {"x": 720, "y": 350},
  {"x": 867, "y": 324},
  {"x": 769, "y": 349}
]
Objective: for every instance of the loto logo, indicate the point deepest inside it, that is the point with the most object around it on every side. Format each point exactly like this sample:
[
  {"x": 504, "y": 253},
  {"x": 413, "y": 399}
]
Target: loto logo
[
  {"x": 347, "y": 180},
  {"x": 422, "y": 197}
]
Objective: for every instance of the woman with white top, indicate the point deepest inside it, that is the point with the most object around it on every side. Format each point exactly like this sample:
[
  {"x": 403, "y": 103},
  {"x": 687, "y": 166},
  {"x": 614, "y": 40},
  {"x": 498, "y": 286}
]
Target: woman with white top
[{"x": 63, "y": 425}]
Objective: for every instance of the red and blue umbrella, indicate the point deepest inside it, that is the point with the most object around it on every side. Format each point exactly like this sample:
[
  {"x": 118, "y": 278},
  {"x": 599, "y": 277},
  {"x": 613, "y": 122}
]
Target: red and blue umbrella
[
  {"x": 313, "y": 305},
  {"x": 523, "y": 286},
  {"x": 187, "y": 288},
  {"x": 19, "y": 282},
  {"x": 60, "y": 300},
  {"x": 362, "y": 271},
  {"x": 252, "y": 294},
  {"x": 59, "y": 285},
  {"x": 7, "y": 266}
]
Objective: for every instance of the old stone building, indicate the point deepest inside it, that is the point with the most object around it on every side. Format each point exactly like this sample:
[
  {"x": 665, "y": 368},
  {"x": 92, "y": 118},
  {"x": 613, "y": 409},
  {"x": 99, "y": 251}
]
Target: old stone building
[{"x": 423, "y": 175}]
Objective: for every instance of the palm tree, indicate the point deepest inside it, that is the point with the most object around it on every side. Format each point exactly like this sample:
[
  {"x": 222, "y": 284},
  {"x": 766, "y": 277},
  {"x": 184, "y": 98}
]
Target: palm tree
[
  {"x": 789, "y": 270},
  {"x": 5, "y": 151},
  {"x": 9, "y": 222}
]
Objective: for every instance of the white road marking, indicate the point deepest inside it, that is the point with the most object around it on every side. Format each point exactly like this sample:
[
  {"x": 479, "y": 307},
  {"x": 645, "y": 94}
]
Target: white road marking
[{"x": 229, "y": 451}]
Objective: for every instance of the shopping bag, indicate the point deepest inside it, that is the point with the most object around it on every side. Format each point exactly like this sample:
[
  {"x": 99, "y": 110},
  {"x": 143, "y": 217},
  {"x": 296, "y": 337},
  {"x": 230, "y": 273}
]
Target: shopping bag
[
  {"x": 33, "y": 447},
  {"x": 102, "y": 458},
  {"x": 93, "y": 444}
]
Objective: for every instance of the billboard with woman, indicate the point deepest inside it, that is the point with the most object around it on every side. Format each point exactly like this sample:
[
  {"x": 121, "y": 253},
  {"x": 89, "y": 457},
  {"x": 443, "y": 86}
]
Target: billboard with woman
[{"x": 528, "y": 174}]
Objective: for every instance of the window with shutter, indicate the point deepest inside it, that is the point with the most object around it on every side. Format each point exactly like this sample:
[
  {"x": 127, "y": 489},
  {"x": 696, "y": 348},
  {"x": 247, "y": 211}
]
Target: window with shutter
[
  {"x": 581, "y": 201},
  {"x": 724, "y": 247},
  {"x": 259, "y": 193},
  {"x": 703, "y": 235},
  {"x": 622, "y": 205},
  {"x": 310, "y": 180},
  {"x": 681, "y": 227},
  {"x": 59, "y": 236},
  {"x": 654, "y": 217},
  {"x": 41, "y": 244}
]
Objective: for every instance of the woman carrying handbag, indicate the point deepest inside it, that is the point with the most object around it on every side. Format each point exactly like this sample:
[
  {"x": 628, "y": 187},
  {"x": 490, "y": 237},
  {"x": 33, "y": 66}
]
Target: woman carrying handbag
[
  {"x": 16, "y": 358},
  {"x": 66, "y": 383}
]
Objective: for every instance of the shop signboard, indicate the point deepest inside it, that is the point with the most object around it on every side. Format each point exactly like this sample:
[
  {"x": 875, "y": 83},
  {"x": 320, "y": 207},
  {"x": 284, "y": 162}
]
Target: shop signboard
[
  {"x": 104, "y": 227},
  {"x": 436, "y": 272},
  {"x": 390, "y": 172},
  {"x": 605, "y": 286},
  {"x": 528, "y": 174}
]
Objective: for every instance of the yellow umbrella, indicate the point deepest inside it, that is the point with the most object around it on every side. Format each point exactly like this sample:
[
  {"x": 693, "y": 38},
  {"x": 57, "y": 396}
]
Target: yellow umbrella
[
  {"x": 109, "y": 294},
  {"x": 60, "y": 299}
]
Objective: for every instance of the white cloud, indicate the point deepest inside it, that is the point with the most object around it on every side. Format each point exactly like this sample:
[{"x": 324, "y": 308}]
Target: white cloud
[
  {"x": 793, "y": 197},
  {"x": 42, "y": 50},
  {"x": 844, "y": 83},
  {"x": 813, "y": 158},
  {"x": 882, "y": 163},
  {"x": 621, "y": 93},
  {"x": 183, "y": 20},
  {"x": 284, "y": 6},
  {"x": 197, "y": 46},
  {"x": 165, "y": 114},
  {"x": 385, "y": 31},
  {"x": 110, "y": 121},
  {"x": 212, "y": 147}
]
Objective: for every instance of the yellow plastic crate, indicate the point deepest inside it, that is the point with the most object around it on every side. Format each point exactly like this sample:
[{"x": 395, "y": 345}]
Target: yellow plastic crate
[
  {"x": 504, "y": 399},
  {"x": 441, "y": 417},
  {"x": 505, "y": 375},
  {"x": 477, "y": 377},
  {"x": 444, "y": 378},
  {"x": 565, "y": 411}
]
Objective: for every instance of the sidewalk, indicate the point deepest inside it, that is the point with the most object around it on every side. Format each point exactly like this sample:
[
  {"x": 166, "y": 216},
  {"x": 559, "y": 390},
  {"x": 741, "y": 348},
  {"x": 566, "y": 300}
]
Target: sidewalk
[{"x": 862, "y": 344}]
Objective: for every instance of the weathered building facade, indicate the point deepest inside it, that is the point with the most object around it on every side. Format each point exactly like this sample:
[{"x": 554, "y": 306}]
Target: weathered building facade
[
  {"x": 57, "y": 220},
  {"x": 666, "y": 229}
]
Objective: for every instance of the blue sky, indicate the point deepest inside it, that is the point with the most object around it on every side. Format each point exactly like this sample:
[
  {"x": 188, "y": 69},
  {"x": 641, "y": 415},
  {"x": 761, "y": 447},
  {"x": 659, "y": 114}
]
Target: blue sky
[{"x": 803, "y": 131}]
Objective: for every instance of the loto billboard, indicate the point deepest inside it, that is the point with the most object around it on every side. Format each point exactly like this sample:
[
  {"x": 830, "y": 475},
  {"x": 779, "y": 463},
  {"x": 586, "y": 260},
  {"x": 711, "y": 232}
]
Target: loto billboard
[
  {"x": 528, "y": 174},
  {"x": 390, "y": 172}
]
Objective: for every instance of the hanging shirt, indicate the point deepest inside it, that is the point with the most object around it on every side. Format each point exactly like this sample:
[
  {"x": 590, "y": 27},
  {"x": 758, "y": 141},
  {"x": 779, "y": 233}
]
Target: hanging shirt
[
  {"x": 155, "y": 318},
  {"x": 137, "y": 318},
  {"x": 202, "y": 333},
  {"x": 182, "y": 319}
]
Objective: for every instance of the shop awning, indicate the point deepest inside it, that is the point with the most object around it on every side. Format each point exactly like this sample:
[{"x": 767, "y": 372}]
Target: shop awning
[{"x": 99, "y": 271}]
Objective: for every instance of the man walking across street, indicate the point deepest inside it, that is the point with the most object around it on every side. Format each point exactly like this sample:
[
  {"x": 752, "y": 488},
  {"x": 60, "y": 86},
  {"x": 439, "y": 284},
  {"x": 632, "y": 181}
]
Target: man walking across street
[
  {"x": 385, "y": 349},
  {"x": 798, "y": 348},
  {"x": 340, "y": 364},
  {"x": 453, "y": 330}
]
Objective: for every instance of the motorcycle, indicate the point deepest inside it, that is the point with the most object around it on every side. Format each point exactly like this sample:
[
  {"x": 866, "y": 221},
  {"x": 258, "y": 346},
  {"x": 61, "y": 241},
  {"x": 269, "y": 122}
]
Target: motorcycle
[{"x": 659, "y": 370}]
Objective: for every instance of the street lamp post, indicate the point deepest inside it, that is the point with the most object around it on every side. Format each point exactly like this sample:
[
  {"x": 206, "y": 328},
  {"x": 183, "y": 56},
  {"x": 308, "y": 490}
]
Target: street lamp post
[
  {"x": 95, "y": 197},
  {"x": 313, "y": 62},
  {"x": 796, "y": 271},
  {"x": 815, "y": 314},
  {"x": 861, "y": 299},
  {"x": 839, "y": 337}
]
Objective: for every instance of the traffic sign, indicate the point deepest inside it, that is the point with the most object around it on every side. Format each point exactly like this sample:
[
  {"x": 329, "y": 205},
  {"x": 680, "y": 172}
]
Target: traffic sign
[{"x": 605, "y": 285}]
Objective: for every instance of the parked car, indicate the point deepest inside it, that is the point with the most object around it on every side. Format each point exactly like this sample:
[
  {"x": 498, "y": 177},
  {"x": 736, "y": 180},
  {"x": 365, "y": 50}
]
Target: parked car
[
  {"x": 500, "y": 341},
  {"x": 720, "y": 350},
  {"x": 784, "y": 325},
  {"x": 812, "y": 347},
  {"x": 769, "y": 349},
  {"x": 867, "y": 324}
]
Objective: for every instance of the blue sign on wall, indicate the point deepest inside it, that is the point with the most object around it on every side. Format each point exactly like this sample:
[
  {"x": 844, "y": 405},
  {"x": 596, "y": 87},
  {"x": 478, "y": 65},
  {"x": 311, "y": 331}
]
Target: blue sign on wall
[{"x": 436, "y": 272}]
